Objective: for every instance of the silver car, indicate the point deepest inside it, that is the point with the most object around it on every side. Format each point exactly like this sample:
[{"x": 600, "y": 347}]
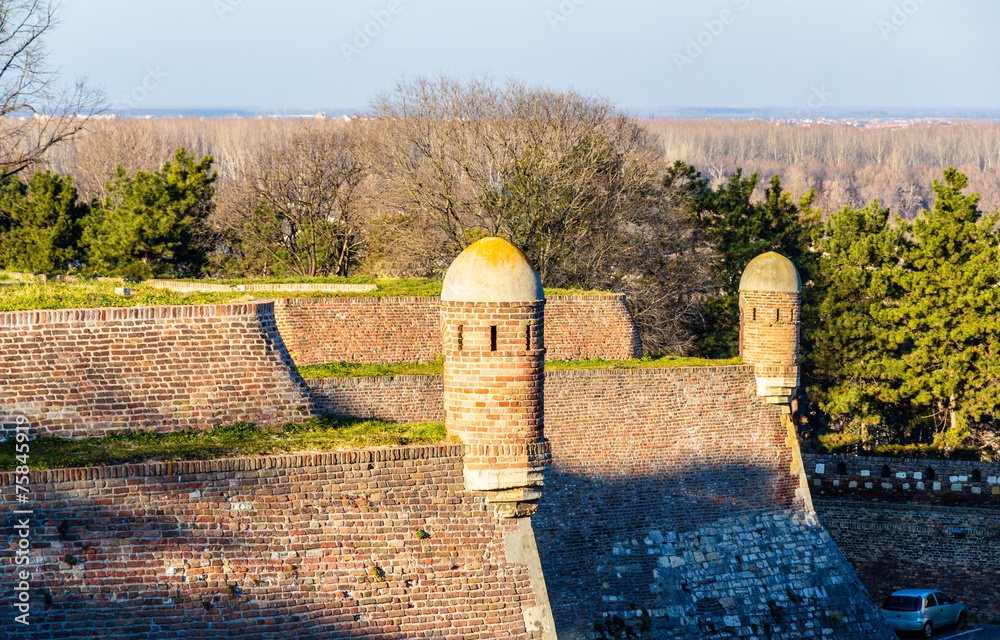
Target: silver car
[{"x": 922, "y": 610}]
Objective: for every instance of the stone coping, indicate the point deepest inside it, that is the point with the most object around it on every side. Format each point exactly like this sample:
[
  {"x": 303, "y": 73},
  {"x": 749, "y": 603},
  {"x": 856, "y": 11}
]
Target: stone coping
[
  {"x": 104, "y": 314},
  {"x": 819, "y": 502},
  {"x": 923, "y": 462},
  {"x": 288, "y": 461}
]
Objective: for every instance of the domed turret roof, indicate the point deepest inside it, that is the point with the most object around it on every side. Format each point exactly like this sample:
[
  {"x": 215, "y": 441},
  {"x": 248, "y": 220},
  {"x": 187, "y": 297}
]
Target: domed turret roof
[
  {"x": 491, "y": 270},
  {"x": 771, "y": 272}
]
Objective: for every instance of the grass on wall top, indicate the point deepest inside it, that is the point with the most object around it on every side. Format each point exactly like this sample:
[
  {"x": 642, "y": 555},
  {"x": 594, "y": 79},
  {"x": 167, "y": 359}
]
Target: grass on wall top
[
  {"x": 353, "y": 370},
  {"x": 241, "y": 439},
  {"x": 16, "y": 295}
]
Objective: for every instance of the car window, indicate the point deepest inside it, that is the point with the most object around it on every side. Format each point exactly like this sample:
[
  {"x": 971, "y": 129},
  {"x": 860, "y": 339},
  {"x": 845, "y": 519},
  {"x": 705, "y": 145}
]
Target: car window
[
  {"x": 944, "y": 598},
  {"x": 902, "y": 603},
  {"x": 929, "y": 600}
]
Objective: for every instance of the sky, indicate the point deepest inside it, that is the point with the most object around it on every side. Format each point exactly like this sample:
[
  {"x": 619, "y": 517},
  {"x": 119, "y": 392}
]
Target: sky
[{"x": 304, "y": 55}]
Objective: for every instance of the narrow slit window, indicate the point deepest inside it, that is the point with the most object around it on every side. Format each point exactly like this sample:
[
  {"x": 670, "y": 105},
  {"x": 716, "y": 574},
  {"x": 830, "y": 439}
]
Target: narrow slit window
[
  {"x": 755, "y": 314},
  {"x": 461, "y": 329},
  {"x": 493, "y": 338},
  {"x": 777, "y": 315},
  {"x": 527, "y": 337}
]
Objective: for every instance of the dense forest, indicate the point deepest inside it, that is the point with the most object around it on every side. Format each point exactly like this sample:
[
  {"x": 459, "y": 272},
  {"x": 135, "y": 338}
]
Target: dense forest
[{"x": 897, "y": 252}]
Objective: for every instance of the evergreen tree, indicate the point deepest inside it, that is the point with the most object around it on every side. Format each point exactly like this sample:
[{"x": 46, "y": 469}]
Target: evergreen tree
[
  {"x": 153, "y": 224},
  {"x": 947, "y": 323},
  {"x": 859, "y": 257},
  {"x": 39, "y": 223}
]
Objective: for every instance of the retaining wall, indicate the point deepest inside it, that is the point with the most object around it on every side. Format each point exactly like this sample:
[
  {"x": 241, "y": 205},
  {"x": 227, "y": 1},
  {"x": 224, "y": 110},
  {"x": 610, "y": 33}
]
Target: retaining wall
[
  {"x": 81, "y": 372},
  {"x": 383, "y": 330},
  {"x": 304, "y": 546},
  {"x": 906, "y": 523},
  {"x": 673, "y": 491}
]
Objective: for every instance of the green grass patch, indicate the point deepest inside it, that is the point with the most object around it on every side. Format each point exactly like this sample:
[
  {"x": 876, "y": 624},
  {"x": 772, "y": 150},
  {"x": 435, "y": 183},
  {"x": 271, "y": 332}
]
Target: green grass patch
[
  {"x": 20, "y": 296},
  {"x": 646, "y": 362},
  {"x": 353, "y": 370},
  {"x": 241, "y": 439}
]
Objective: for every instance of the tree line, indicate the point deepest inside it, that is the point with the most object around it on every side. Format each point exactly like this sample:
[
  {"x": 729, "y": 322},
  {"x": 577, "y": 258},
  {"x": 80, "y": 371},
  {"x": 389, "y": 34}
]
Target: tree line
[{"x": 900, "y": 335}]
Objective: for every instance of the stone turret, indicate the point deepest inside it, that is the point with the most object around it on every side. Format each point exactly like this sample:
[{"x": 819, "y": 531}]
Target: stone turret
[
  {"x": 770, "y": 291},
  {"x": 492, "y": 330}
]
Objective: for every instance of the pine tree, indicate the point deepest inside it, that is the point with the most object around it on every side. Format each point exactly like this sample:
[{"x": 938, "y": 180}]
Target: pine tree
[
  {"x": 946, "y": 325},
  {"x": 40, "y": 223},
  {"x": 153, "y": 224}
]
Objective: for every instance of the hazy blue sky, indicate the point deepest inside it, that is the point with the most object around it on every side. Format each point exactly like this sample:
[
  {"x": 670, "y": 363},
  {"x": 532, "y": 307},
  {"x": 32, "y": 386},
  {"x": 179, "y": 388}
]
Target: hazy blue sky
[{"x": 291, "y": 54}]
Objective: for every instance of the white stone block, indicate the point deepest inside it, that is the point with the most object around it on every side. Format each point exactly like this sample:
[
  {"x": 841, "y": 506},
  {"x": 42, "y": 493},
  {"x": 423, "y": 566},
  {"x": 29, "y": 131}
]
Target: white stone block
[
  {"x": 887, "y": 485},
  {"x": 937, "y": 486},
  {"x": 865, "y": 472},
  {"x": 963, "y": 478},
  {"x": 853, "y": 485},
  {"x": 956, "y": 486},
  {"x": 869, "y": 485},
  {"x": 901, "y": 474},
  {"x": 906, "y": 485},
  {"x": 977, "y": 490},
  {"x": 917, "y": 475},
  {"x": 820, "y": 468},
  {"x": 836, "y": 483},
  {"x": 920, "y": 486},
  {"x": 953, "y": 479},
  {"x": 992, "y": 479}
]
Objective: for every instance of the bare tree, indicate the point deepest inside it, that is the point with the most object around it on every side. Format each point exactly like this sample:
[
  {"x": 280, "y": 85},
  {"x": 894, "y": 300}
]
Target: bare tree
[
  {"x": 296, "y": 209},
  {"x": 36, "y": 113}
]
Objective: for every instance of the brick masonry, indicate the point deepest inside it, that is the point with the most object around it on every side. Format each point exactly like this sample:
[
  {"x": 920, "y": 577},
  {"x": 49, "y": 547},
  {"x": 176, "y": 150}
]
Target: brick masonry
[
  {"x": 304, "y": 546},
  {"x": 494, "y": 359},
  {"x": 906, "y": 523},
  {"x": 382, "y": 330},
  {"x": 81, "y": 372},
  {"x": 671, "y": 491}
]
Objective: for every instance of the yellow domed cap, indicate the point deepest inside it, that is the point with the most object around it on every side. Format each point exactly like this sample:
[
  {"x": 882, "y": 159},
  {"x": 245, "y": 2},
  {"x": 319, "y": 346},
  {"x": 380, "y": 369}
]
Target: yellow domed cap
[
  {"x": 491, "y": 270},
  {"x": 771, "y": 272}
]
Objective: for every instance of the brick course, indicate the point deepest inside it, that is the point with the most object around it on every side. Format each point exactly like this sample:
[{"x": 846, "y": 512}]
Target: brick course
[
  {"x": 81, "y": 372},
  {"x": 296, "y": 536}
]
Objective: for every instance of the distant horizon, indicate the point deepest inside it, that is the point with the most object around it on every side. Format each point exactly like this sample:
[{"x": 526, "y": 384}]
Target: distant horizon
[{"x": 643, "y": 113}]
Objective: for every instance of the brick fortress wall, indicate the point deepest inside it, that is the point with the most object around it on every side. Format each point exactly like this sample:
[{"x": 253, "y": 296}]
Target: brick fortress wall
[
  {"x": 671, "y": 491},
  {"x": 383, "y": 330},
  {"x": 907, "y": 523},
  {"x": 304, "y": 546},
  {"x": 81, "y": 372}
]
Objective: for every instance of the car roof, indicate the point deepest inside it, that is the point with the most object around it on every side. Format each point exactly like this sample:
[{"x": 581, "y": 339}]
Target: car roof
[{"x": 913, "y": 592}]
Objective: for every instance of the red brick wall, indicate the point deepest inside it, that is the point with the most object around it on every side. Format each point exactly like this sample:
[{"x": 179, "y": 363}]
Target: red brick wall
[
  {"x": 380, "y": 330},
  {"x": 392, "y": 398},
  {"x": 295, "y": 536},
  {"x": 80, "y": 372},
  {"x": 643, "y": 450},
  {"x": 365, "y": 330},
  {"x": 583, "y": 327}
]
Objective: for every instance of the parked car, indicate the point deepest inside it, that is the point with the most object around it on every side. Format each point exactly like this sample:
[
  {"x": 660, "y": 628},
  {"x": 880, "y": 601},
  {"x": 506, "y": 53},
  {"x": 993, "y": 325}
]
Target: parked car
[{"x": 922, "y": 610}]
